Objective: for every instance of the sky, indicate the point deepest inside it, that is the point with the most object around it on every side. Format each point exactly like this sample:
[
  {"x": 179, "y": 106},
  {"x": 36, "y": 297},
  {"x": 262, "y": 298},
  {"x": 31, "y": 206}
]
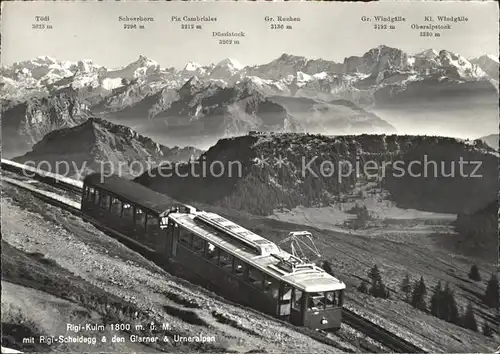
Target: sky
[{"x": 328, "y": 30}]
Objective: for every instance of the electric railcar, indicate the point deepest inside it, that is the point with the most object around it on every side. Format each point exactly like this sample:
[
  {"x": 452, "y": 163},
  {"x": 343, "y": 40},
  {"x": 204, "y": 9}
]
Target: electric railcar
[{"x": 237, "y": 262}]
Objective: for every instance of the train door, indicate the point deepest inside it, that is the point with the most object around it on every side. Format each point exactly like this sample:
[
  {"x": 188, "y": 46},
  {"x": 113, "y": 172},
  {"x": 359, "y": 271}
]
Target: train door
[
  {"x": 285, "y": 301},
  {"x": 298, "y": 307}
]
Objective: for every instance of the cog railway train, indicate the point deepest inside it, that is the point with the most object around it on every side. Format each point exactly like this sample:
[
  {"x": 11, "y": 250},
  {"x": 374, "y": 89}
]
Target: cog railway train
[{"x": 235, "y": 262}]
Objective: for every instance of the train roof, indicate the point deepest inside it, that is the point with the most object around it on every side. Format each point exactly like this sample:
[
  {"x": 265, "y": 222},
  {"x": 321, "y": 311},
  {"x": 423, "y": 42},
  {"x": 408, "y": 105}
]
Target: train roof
[
  {"x": 132, "y": 191},
  {"x": 306, "y": 277}
]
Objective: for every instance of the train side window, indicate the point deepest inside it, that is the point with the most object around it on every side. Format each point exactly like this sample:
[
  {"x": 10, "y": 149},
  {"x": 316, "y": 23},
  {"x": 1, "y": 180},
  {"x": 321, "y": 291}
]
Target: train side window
[
  {"x": 287, "y": 293},
  {"x": 185, "y": 237},
  {"x": 285, "y": 300},
  {"x": 105, "y": 201},
  {"x": 316, "y": 301},
  {"x": 139, "y": 218},
  {"x": 297, "y": 299},
  {"x": 128, "y": 211},
  {"x": 198, "y": 245},
  {"x": 255, "y": 277},
  {"x": 97, "y": 196},
  {"x": 212, "y": 253},
  {"x": 271, "y": 286},
  {"x": 90, "y": 193},
  {"x": 239, "y": 267},
  {"x": 225, "y": 260},
  {"x": 164, "y": 222},
  {"x": 116, "y": 206},
  {"x": 152, "y": 224}
]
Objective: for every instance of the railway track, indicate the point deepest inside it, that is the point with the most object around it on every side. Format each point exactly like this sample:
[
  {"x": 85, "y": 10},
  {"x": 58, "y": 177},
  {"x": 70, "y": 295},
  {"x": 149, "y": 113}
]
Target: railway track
[
  {"x": 372, "y": 330},
  {"x": 48, "y": 197},
  {"x": 28, "y": 172},
  {"x": 379, "y": 334}
]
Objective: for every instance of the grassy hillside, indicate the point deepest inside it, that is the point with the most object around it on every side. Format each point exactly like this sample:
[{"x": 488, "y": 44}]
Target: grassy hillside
[{"x": 304, "y": 178}]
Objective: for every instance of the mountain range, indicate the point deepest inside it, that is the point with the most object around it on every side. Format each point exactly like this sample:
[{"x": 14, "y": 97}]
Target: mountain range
[
  {"x": 200, "y": 104},
  {"x": 101, "y": 146},
  {"x": 288, "y": 72}
]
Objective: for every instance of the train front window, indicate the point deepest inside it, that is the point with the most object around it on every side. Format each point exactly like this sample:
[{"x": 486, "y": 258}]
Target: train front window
[
  {"x": 332, "y": 299},
  {"x": 316, "y": 302}
]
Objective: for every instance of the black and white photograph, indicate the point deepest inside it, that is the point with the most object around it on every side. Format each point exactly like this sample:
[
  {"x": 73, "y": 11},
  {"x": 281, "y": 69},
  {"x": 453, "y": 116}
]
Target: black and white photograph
[{"x": 250, "y": 177}]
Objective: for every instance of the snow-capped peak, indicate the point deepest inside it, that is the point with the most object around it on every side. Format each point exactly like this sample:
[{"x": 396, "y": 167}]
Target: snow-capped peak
[
  {"x": 141, "y": 62},
  {"x": 287, "y": 57},
  {"x": 85, "y": 65},
  {"x": 321, "y": 76},
  {"x": 194, "y": 84},
  {"x": 35, "y": 63},
  {"x": 489, "y": 64},
  {"x": 142, "y": 67},
  {"x": 44, "y": 60},
  {"x": 230, "y": 63},
  {"x": 485, "y": 58},
  {"x": 429, "y": 53},
  {"x": 192, "y": 66},
  {"x": 145, "y": 61},
  {"x": 228, "y": 70},
  {"x": 492, "y": 57},
  {"x": 302, "y": 77},
  {"x": 462, "y": 67}
]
